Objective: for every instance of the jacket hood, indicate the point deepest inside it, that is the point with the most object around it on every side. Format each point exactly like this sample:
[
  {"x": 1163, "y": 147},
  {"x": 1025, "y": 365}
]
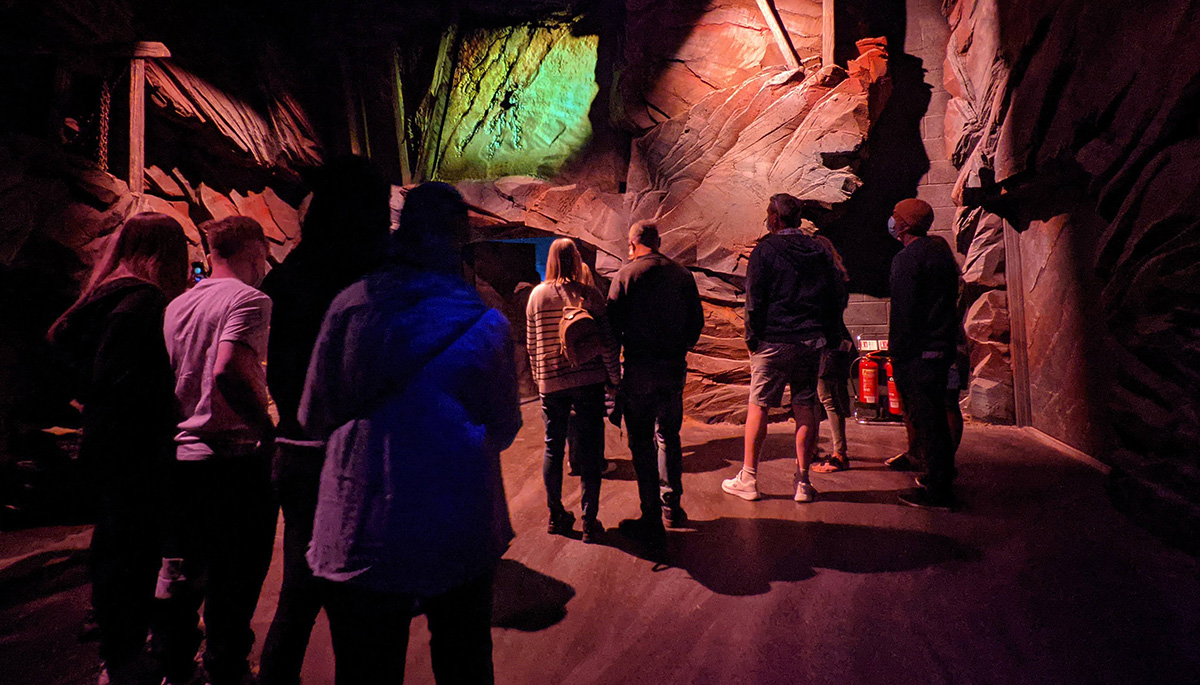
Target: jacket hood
[
  {"x": 795, "y": 245},
  {"x": 83, "y": 323}
]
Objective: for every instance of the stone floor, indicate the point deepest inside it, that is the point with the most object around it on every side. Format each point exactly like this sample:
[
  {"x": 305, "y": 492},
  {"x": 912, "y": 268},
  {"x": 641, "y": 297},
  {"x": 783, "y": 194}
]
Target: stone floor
[{"x": 1037, "y": 580}]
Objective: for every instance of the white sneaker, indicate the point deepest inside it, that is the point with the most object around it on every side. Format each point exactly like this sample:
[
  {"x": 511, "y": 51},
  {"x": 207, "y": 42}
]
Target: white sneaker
[
  {"x": 805, "y": 492},
  {"x": 739, "y": 487}
]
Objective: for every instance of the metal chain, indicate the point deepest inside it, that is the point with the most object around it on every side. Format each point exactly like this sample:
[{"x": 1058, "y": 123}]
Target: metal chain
[{"x": 105, "y": 110}]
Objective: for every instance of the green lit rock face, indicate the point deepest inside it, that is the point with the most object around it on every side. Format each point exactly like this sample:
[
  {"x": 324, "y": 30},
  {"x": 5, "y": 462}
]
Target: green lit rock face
[{"x": 518, "y": 104}]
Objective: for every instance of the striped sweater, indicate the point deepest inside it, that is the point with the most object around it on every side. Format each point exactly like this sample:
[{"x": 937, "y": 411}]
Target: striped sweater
[{"x": 550, "y": 367}]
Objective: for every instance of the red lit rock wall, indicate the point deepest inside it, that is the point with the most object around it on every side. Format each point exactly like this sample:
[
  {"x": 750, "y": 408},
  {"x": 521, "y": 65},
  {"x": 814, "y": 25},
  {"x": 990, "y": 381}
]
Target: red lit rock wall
[{"x": 1076, "y": 125}]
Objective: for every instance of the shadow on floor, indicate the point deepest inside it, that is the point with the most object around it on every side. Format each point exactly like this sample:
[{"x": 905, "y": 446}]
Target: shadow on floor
[
  {"x": 526, "y": 600},
  {"x": 736, "y": 556}
]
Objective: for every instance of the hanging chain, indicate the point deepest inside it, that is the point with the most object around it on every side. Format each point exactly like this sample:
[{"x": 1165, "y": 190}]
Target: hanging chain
[{"x": 105, "y": 110}]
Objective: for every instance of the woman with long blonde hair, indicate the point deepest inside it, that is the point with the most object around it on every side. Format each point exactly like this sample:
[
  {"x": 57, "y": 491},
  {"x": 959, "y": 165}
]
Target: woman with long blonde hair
[
  {"x": 113, "y": 335},
  {"x": 571, "y": 374}
]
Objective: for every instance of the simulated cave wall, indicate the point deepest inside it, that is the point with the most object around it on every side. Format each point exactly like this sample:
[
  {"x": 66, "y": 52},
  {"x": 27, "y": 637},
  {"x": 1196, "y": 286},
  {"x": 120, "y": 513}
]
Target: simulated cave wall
[{"x": 1077, "y": 137}]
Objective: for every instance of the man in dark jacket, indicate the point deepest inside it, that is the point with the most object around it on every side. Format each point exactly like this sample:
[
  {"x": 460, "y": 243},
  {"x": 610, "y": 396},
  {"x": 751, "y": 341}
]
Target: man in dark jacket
[
  {"x": 922, "y": 334},
  {"x": 793, "y": 307},
  {"x": 655, "y": 313},
  {"x": 345, "y": 233}
]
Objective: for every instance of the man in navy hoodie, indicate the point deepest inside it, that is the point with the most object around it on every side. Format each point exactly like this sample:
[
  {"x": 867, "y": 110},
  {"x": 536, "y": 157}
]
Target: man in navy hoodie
[{"x": 793, "y": 310}]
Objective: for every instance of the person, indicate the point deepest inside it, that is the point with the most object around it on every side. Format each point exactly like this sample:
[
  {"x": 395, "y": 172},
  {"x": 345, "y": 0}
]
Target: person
[
  {"x": 655, "y": 312},
  {"x": 833, "y": 375},
  {"x": 345, "y": 232},
  {"x": 959, "y": 381},
  {"x": 922, "y": 335},
  {"x": 564, "y": 384},
  {"x": 793, "y": 302},
  {"x": 224, "y": 522},
  {"x": 412, "y": 386},
  {"x": 113, "y": 337}
]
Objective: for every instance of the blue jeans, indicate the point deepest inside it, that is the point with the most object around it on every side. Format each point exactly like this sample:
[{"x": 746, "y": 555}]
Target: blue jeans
[
  {"x": 588, "y": 402},
  {"x": 653, "y": 417}
]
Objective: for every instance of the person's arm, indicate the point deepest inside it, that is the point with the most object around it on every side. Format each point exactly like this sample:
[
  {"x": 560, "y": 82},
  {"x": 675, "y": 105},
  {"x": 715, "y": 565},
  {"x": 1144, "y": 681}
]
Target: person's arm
[
  {"x": 616, "y": 308},
  {"x": 531, "y": 335},
  {"x": 611, "y": 351},
  {"x": 318, "y": 413},
  {"x": 904, "y": 319},
  {"x": 695, "y": 311},
  {"x": 238, "y": 380},
  {"x": 756, "y": 296}
]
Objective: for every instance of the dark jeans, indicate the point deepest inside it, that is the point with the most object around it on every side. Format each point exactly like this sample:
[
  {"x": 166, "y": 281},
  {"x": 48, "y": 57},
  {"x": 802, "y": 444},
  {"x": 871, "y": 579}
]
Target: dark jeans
[
  {"x": 588, "y": 402},
  {"x": 217, "y": 552},
  {"x": 653, "y": 417},
  {"x": 296, "y": 476},
  {"x": 370, "y": 633},
  {"x": 125, "y": 555},
  {"x": 922, "y": 386}
]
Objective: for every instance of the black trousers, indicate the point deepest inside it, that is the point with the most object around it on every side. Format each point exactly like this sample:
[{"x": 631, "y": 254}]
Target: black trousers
[
  {"x": 370, "y": 633},
  {"x": 217, "y": 553},
  {"x": 124, "y": 559},
  {"x": 296, "y": 476},
  {"x": 922, "y": 385},
  {"x": 588, "y": 402},
  {"x": 653, "y": 405}
]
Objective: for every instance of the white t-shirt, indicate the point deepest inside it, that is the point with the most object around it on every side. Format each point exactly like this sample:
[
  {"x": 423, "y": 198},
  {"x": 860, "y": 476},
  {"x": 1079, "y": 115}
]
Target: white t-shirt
[{"x": 213, "y": 311}]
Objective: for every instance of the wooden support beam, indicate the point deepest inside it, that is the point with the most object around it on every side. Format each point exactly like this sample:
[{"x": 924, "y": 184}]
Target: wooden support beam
[
  {"x": 401, "y": 128},
  {"x": 1014, "y": 277},
  {"x": 782, "y": 39},
  {"x": 137, "y": 126},
  {"x": 137, "y": 112},
  {"x": 828, "y": 33}
]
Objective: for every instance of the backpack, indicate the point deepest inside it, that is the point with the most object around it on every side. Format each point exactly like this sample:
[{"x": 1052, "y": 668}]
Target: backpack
[{"x": 579, "y": 335}]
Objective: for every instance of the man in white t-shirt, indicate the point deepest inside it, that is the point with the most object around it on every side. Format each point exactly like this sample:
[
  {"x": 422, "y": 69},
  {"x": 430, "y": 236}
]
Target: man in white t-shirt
[{"x": 222, "y": 526}]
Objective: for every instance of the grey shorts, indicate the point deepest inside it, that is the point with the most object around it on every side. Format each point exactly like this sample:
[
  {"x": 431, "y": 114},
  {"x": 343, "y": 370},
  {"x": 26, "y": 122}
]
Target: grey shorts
[{"x": 776, "y": 365}]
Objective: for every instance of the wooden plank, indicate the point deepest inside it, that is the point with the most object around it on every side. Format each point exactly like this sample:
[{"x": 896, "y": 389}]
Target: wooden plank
[
  {"x": 828, "y": 33},
  {"x": 137, "y": 126},
  {"x": 150, "y": 49},
  {"x": 401, "y": 128},
  {"x": 1014, "y": 277},
  {"x": 782, "y": 39}
]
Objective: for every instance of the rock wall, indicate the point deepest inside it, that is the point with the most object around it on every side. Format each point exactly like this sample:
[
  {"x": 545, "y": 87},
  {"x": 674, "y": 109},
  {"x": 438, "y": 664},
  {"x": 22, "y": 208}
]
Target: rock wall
[{"x": 1076, "y": 128}]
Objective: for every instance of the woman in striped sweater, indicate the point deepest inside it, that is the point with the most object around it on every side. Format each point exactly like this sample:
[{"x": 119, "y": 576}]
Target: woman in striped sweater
[{"x": 565, "y": 385}]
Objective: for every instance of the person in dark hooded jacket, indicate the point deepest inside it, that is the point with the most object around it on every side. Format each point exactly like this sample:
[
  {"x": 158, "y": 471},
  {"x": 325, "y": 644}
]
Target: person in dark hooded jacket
[
  {"x": 794, "y": 300},
  {"x": 113, "y": 335}
]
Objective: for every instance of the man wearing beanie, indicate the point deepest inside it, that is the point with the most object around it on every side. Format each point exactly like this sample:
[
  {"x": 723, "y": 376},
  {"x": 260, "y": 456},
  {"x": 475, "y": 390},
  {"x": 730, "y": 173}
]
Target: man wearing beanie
[{"x": 922, "y": 334}]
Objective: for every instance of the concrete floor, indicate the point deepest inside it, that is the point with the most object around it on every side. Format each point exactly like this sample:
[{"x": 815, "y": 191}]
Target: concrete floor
[{"x": 1037, "y": 580}]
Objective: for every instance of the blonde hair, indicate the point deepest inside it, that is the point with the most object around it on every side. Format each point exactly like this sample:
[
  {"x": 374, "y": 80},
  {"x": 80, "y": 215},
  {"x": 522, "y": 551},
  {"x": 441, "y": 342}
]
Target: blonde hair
[
  {"x": 565, "y": 265},
  {"x": 150, "y": 246}
]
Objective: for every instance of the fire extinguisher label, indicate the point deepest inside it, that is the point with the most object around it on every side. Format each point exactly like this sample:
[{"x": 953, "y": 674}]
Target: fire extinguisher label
[{"x": 869, "y": 382}]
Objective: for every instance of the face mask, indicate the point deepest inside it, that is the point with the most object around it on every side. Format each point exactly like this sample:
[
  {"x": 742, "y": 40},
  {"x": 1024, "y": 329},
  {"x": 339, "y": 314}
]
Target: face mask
[{"x": 892, "y": 228}]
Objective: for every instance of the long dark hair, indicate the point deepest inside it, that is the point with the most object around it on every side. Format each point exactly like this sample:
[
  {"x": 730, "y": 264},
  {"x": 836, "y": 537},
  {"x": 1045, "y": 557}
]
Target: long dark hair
[{"x": 149, "y": 246}]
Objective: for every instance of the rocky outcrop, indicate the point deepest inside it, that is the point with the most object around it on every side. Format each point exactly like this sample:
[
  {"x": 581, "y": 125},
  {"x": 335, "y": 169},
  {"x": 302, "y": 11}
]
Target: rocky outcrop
[
  {"x": 1091, "y": 153},
  {"x": 706, "y": 175},
  {"x": 677, "y": 52}
]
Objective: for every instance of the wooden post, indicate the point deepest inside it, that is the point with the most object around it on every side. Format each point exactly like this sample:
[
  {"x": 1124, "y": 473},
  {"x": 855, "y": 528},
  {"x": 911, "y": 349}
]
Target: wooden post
[
  {"x": 137, "y": 112},
  {"x": 401, "y": 129},
  {"x": 782, "y": 39},
  {"x": 1014, "y": 279},
  {"x": 828, "y": 34}
]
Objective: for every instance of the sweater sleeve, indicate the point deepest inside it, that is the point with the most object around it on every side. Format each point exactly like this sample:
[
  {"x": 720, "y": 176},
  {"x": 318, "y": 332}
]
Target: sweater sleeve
[{"x": 612, "y": 351}]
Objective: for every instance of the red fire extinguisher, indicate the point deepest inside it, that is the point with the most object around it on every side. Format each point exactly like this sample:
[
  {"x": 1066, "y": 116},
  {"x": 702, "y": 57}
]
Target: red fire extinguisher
[
  {"x": 894, "y": 406},
  {"x": 868, "y": 381}
]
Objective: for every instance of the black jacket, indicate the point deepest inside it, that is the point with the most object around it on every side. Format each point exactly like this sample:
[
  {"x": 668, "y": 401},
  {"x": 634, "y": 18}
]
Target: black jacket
[
  {"x": 793, "y": 292},
  {"x": 123, "y": 375},
  {"x": 301, "y": 289},
  {"x": 924, "y": 314},
  {"x": 655, "y": 312}
]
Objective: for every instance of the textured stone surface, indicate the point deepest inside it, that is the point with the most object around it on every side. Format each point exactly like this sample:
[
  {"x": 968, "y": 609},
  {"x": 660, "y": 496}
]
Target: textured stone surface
[
  {"x": 519, "y": 103},
  {"x": 705, "y": 175},
  {"x": 986, "y": 324},
  {"x": 677, "y": 52},
  {"x": 1095, "y": 161}
]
